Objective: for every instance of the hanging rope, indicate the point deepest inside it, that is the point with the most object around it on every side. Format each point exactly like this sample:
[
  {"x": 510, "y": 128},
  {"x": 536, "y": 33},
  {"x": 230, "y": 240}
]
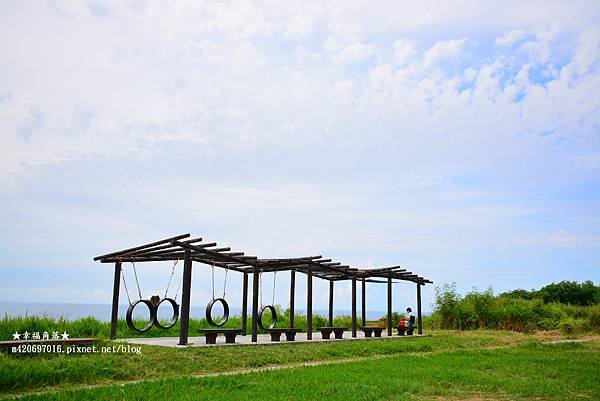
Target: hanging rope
[
  {"x": 171, "y": 278},
  {"x": 136, "y": 277},
  {"x": 179, "y": 288},
  {"x": 213, "y": 279},
  {"x": 260, "y": 288},
  {"x": 124, "y": 282},
  {"x": 225, "y": 282},
  {"x": 274, "y": 276}
]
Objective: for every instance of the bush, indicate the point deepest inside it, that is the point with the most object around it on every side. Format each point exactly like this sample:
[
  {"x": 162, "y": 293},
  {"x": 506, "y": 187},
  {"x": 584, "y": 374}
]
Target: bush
[
  {"x": 565, "y": 292},
  {"x": 481, "y": 309},
  {"x": 593, "y": 318}
]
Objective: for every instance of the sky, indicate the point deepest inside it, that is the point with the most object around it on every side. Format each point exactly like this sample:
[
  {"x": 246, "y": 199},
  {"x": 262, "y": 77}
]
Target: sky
[{"x": 460, "y": 140}]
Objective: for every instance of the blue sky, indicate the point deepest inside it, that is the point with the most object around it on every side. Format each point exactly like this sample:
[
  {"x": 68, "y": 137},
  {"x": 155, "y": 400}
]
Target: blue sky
[{"x": 460, "y": 140}]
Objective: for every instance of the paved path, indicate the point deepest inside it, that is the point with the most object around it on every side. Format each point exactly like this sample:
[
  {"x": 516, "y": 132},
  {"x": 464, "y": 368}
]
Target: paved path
[{"x": 263, "y": 339}]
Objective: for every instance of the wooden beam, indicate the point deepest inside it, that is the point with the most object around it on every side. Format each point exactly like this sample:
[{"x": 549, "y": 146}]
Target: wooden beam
[
  {"x": 330, "y": 322},
  {"x": 255, "y": 305},
  {"x": 115, "y": 301},
  {"x": 309, "y": 303},
  {"x": 419, "y": 317},
  {"x": 353, "y": 307},
  {"x": 185, "y": 299},
  {"x": 137, "y": 248},
  {"x": 166, "y": 248},
  {"x": 216, "y": 255},
  {"x": 292, "y": 296},
  {"x": 389, "y": 306},
  {"x": 219, "y": 264},
  {"x": 364, "y": 303},
  {"x": 244, "y": 303}
]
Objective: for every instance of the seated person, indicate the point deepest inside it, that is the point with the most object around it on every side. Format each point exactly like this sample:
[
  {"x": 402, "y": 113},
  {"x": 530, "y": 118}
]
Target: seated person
[
  {"x": 410, "y": 326},
  {"x": 402, "y": 325}
]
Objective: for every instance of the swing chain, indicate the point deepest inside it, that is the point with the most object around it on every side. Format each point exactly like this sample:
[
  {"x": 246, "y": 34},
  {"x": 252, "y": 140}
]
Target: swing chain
[
  {"x": 124, "y": 282},
  {"x": 213, "y": 279},
  {"x": 260, "y": 288},
  {"x": 136, "y": 277},
  {"x": 171, "y": 278},
  {"x": 178, "y": 288},
  {"x": 274, "y": 277},
  {"x": 225, "y": 282}
]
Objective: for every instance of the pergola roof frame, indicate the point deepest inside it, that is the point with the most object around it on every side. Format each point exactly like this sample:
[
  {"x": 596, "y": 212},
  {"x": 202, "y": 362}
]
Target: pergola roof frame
[
  {"x": 192, "y": 249},
  {"x": 173, "y": 248}
]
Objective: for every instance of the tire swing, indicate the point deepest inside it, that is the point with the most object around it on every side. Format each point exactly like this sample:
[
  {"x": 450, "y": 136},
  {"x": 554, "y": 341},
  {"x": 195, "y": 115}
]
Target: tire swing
[
  {"x": 221, "y": 300},
  {"x": 270, "y": 308},
  {"x": 172, "y": 301},
  {"x": 132, "y": 305}
]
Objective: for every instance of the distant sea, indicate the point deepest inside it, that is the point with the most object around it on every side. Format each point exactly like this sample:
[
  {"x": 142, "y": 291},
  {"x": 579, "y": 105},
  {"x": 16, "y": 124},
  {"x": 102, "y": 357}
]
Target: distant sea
[{"x": 102, "y": 312}]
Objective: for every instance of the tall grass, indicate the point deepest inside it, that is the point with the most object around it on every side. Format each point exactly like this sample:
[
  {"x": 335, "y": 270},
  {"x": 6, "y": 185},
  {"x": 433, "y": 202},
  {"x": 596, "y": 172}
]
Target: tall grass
[
  {"x": 481, "y": 309},
  {"x": 92, "y": 327}
]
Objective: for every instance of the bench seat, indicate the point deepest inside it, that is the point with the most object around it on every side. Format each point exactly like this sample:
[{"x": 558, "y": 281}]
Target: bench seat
[
  {"x": 211, "y": 335},
  {"x": 337, "y": 331},
  {"x": 370, "y": 330},
  {"x": 290, "y": 333}
]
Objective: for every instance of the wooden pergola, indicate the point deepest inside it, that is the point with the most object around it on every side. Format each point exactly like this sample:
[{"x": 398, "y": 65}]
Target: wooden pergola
[{"x": 182, "y": 247}]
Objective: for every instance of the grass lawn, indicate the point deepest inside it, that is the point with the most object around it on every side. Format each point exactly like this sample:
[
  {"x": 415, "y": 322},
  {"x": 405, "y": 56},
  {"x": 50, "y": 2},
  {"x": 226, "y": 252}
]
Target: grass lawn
[{"x": 448, "y": 365}]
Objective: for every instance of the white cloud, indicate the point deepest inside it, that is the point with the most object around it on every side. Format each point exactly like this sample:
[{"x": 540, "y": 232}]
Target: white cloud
[
  {"x": 54, "y": 294},
  {"x": 404, "y": 51},
  {"x": 511, "y": 37},
  {"x": 354, "y": 53},
  {"x": 558, "y": 239},
  {"x": 314, "y": 126},
  {"x": 442, "y": 50}
]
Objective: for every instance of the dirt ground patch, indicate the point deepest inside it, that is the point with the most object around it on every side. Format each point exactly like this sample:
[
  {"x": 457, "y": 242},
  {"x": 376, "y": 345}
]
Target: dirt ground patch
[
  {"x": 478, "y": 397},
  {"x": 553, "y": 335}
]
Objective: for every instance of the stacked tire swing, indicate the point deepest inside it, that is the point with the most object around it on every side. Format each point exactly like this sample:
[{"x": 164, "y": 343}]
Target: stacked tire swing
[
  {"x": 214, "y": 301},
  {"x": 152, "y": 304},
  {"x": 155, "y": 302},
  {"x": 265, "y": 308}
]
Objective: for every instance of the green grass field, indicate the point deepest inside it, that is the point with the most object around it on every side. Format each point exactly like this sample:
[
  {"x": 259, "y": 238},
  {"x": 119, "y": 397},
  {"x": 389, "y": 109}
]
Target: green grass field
[{"x": 476, "y": 365}]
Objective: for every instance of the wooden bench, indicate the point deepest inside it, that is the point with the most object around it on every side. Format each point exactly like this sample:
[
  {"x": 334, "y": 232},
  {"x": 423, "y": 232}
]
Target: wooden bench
[
  {"x": 290, "y": 333},
  {"x": 404, "y": 331},
  {"x": 337, "y": 331},
  {"x": 369, "y": 330},
  {"x": 211, "y": 335}
]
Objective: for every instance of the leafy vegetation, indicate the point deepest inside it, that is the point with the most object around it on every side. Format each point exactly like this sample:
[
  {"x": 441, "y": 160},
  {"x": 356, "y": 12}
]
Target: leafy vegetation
[
  {"x": 481, "y": 309},
  {"x": 565, "y": 292},
  {"x": 91, "y": 327}
]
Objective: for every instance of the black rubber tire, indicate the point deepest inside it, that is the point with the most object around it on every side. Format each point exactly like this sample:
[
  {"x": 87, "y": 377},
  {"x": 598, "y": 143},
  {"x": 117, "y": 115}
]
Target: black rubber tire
[
  {"x": 273, "y": 317},
  {"x": 173, "y": 319},
  {"x": 225, "y": 312},
  {"x": 129, "y": 316}
]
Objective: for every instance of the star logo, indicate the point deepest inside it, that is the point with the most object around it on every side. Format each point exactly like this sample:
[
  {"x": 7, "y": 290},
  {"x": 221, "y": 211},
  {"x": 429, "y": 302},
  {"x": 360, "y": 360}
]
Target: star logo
[
  {"x": 16, "y": 335},
  {"x": 65, "y": 335}
]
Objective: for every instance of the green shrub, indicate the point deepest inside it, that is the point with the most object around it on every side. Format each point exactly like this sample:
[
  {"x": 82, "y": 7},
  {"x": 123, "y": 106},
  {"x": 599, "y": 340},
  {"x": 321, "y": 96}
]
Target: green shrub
[
  {"x": 593, "y": 317},
  {"x": 481, "y": 309}
]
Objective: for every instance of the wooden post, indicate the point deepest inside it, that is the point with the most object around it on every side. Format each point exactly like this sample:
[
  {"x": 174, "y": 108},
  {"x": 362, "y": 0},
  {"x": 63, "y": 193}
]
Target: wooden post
[
  {"x": 185, "y": 298},
  {"x": 353, "y": 307},
  {"x": 364, "y": 303},
  {"x": 115, "y": 301},
  {"x": 419, "y": 318},
  {"x": 255, "y": 278},
  {"x": 389, "y": 305},
  {"x": 292, "y": 295},
  {"x": 244, "y": 304},
  {"x": 330, "y": 322},
  {"x": 309, "y": 303}
]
